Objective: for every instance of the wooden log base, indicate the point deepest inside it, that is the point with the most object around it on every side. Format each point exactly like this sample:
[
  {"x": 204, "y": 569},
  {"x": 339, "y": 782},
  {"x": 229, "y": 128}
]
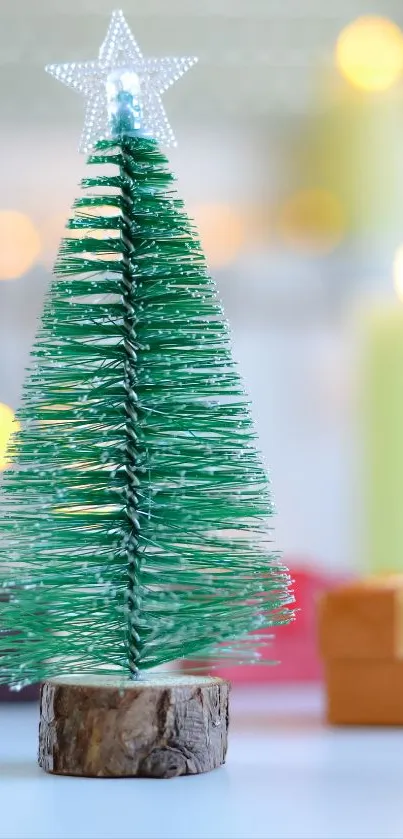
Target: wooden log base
[{"x": 161, "y": 726}]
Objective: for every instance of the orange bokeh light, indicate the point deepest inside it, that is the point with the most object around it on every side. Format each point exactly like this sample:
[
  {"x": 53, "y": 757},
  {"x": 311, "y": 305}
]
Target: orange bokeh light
[
  {"x": 312, "y": 221},
  {"x": 221, "y": 230},
  {"x": 20, "y": 244}
]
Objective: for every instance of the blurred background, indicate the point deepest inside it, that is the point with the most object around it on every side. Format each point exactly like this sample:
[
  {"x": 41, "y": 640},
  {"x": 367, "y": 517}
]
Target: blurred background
[{"x": 290, "y": 158}]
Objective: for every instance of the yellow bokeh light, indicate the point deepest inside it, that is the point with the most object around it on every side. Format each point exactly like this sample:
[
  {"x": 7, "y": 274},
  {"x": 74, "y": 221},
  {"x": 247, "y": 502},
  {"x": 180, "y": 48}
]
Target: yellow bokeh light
[
  {"x": 369, "y": 53},
  {"x": 8, "y": 426},
  {"x": 221, "y": 230},
  {"x": 19, "y": 244},
  {"x": 398, "y": 272},
  {"x": 312, "y": 221}
]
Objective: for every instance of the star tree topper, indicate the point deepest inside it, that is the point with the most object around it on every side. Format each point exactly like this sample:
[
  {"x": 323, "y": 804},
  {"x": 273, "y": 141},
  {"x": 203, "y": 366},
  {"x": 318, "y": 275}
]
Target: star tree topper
[{"x": 123, "y": 89}]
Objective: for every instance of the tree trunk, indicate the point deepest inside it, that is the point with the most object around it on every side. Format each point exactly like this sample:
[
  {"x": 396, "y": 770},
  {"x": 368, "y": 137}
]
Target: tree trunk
[{"x": 160, "y": 726}]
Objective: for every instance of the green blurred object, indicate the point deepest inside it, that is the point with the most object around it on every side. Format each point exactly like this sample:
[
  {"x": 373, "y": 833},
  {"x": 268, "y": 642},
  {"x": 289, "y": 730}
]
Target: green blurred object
[
  {"x": 382, "y": 419},
  {"x": 352, "y": 149},
  {"x": 135, "y": 517}
]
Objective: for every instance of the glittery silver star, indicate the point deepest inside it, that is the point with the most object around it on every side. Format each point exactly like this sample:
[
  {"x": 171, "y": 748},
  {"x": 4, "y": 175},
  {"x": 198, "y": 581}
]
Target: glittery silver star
[{"x": 122, "y": 88}]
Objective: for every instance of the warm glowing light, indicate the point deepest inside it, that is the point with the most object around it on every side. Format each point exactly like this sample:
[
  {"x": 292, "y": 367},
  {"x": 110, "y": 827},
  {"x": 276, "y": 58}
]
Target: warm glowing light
[
  {"x": 369, "y": 53},
  {"x": 222, "y": 232},
  {"x": 398, "y": 272},
  {"x": 52, "y": 231},
  {"x": 312, "y": 221},
  {"x": 19, "y": 244},
  {"x": 8, "y": 426}
]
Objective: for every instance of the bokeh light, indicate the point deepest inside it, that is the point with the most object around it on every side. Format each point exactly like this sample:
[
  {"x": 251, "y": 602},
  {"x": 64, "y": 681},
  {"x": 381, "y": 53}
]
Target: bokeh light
[
  {"x": 52, "y": 230},
  {"x": 312, "y": 221},
  {"x": 369, "y": 53},
  {"x": 398, "y": 272},
  {"x": 222, "y": 232},
  {"x": 8, "y": 426},
  {"x": 20, "y": 244}
]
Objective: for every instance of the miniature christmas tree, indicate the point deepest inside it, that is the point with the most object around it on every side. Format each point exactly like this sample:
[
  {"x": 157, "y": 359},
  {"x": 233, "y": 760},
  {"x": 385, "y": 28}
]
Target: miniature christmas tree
[{"x": 134, "y": 519}]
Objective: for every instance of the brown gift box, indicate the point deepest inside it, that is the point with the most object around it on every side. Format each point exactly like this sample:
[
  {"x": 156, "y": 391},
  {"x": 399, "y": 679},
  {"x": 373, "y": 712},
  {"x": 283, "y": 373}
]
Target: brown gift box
[
  {"x": 363, "y": 692},
  {"x": 363, "y": 620},
  {"x": 361, "y": 640}
]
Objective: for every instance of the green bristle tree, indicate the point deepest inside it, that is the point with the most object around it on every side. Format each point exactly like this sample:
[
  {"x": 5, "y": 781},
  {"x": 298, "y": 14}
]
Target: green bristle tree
[{"x": 134, "y": 519}]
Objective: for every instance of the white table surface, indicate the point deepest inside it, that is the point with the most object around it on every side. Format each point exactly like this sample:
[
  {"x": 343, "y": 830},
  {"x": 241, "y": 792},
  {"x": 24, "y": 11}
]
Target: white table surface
[{"x": 287, "y": 777}]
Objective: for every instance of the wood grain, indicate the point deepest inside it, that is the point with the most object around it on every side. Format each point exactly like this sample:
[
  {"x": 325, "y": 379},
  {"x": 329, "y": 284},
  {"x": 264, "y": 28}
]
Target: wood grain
[{"x": 159, "y": 727}]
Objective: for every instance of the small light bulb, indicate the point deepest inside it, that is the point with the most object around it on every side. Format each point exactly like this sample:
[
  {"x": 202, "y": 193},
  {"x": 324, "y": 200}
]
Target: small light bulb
[{"x": 123, "y": 95}]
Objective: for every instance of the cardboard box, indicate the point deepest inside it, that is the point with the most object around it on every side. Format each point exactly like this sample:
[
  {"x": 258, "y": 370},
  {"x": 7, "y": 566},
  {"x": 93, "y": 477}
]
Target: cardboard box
[
  {"x": 363, "y": 620},
  {"x": 363, "y": 692}
]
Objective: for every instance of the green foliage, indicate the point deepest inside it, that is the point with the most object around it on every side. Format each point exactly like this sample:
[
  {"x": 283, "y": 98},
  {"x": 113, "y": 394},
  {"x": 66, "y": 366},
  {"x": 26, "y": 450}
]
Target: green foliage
[{"x": 134, "y": 522}]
